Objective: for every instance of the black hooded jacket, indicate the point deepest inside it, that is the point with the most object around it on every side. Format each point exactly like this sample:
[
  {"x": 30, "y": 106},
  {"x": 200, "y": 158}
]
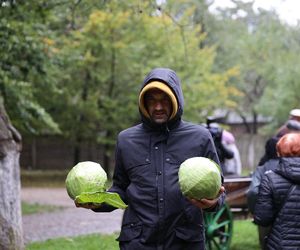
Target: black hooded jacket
[
  {"x": 273, "y": 208},
  {"x": 148, "y": 157}
]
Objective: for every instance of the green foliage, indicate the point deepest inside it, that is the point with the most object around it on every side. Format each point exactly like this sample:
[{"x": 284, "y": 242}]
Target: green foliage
[
  {"x": 106, "y": 59},
  {"x": 76, "y": 67},
  {"x": 22, "y": 68},
  {"x": 264, "y": 49}
]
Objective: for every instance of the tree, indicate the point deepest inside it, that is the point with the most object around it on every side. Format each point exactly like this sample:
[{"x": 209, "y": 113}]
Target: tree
[
  {"x": 24, "y": 59},
  {"x": 90, "y": 57},
  {"x": 24, "y": 66},
  {"x": 22, "y": 74},
  {"x": 204, "y": 88},
  {"x": 265, "y": 51},
  {"x": 106, "y": 58},
  {"x": 11, "y": 234}
]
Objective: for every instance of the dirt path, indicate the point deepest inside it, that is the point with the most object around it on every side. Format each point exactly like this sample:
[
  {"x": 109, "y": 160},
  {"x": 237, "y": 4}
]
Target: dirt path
[{"x": 66, "y": 222}]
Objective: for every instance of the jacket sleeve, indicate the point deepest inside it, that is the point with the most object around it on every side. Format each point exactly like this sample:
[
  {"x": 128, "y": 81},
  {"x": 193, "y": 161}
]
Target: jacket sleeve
[
  {"x": 264, "y": 211},
  {"x": 120, "y": 181},
  {"x": 211, "y": 153},
  {"x": 254, "y": 188}
]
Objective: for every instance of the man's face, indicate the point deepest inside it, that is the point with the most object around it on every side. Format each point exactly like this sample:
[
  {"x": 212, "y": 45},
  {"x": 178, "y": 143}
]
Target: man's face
[{"x": 158, "y": 105}]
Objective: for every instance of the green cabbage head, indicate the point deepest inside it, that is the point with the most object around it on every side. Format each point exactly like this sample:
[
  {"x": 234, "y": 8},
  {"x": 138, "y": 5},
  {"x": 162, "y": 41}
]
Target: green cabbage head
[
  {"x": 199, "y": 178},
  {"x": 85, "y": 177}
]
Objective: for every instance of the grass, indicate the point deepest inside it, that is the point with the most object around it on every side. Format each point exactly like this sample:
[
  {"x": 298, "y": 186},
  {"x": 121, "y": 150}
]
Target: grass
[
  {"x": 88, "y": 242},
  {"x": 43, "y": 178},
  {"x": 244, "y": 237},
  {"x": 28, "y": 208},
  {"x": 46, "y": 178}
]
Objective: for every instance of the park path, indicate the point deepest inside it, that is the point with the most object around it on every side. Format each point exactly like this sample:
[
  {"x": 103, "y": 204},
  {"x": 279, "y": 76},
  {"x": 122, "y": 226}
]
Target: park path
[{"x": 66, "y": 222}]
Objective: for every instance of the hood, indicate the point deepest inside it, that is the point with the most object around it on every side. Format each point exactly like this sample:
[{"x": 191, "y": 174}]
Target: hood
[
  {"x": 270, "y": 147},
  {"x": 170, "y": 78},
  {"x": 289, "y": 167}
]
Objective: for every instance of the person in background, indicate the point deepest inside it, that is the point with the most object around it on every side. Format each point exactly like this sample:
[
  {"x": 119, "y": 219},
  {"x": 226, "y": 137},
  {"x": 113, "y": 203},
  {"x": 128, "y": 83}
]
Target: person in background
[
  {"x": 147, "y": 161},
  {"x": 277, "y": 202},
  {"x": 292, "y": 125},
  {"x": 270, "y": 162},
  {"x": 232, "y": 166},
  {"x": 223, "y": 151}
]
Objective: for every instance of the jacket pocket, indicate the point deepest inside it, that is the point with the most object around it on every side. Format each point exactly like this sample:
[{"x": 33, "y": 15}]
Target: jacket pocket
[
  {"x": 190, "y": 233},
  {"x": 130, "y": 232},
  {"x": 140, "y": 169}
]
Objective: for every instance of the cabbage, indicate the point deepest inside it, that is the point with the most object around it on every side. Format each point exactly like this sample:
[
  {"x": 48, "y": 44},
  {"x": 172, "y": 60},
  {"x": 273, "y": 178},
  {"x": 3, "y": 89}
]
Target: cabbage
[
  {"x": 86, "y": 183},
  {"x": 199, "y": 178},
  {"x": 85, "y": 177}
]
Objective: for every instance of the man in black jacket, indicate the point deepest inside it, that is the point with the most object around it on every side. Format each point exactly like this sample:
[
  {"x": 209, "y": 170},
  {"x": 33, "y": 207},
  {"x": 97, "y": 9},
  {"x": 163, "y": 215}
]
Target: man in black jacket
[{"x": 148, "y": 157}]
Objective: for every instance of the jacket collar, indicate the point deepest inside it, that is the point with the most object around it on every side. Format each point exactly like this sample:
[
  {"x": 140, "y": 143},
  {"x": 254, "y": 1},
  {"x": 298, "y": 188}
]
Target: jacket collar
[{"x": 165, "y": 127}]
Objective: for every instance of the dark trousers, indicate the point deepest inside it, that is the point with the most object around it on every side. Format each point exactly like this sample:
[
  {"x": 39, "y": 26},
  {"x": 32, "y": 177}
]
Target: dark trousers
[{"x": 263, "y": 233}]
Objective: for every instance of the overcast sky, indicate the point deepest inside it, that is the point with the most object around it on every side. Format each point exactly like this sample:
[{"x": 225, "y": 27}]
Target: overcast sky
[{"x": 288, "y": 10}]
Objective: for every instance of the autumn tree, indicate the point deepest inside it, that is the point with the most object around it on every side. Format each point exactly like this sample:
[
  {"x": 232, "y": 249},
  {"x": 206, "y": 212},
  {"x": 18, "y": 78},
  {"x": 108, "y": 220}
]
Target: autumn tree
[{"x": 106, "y": 59}]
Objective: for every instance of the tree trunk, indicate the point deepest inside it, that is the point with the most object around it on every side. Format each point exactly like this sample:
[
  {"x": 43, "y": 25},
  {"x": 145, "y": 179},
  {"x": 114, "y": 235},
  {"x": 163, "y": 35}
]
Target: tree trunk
[
  {"x": 11, "y": 233},
  {"x": 33, "y": 153}
]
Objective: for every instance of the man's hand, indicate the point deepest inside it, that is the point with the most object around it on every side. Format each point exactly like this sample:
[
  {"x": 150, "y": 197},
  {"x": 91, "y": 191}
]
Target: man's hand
[
  {"x": 88, "y": 205},
  {"x": 205, "y": 203}
]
